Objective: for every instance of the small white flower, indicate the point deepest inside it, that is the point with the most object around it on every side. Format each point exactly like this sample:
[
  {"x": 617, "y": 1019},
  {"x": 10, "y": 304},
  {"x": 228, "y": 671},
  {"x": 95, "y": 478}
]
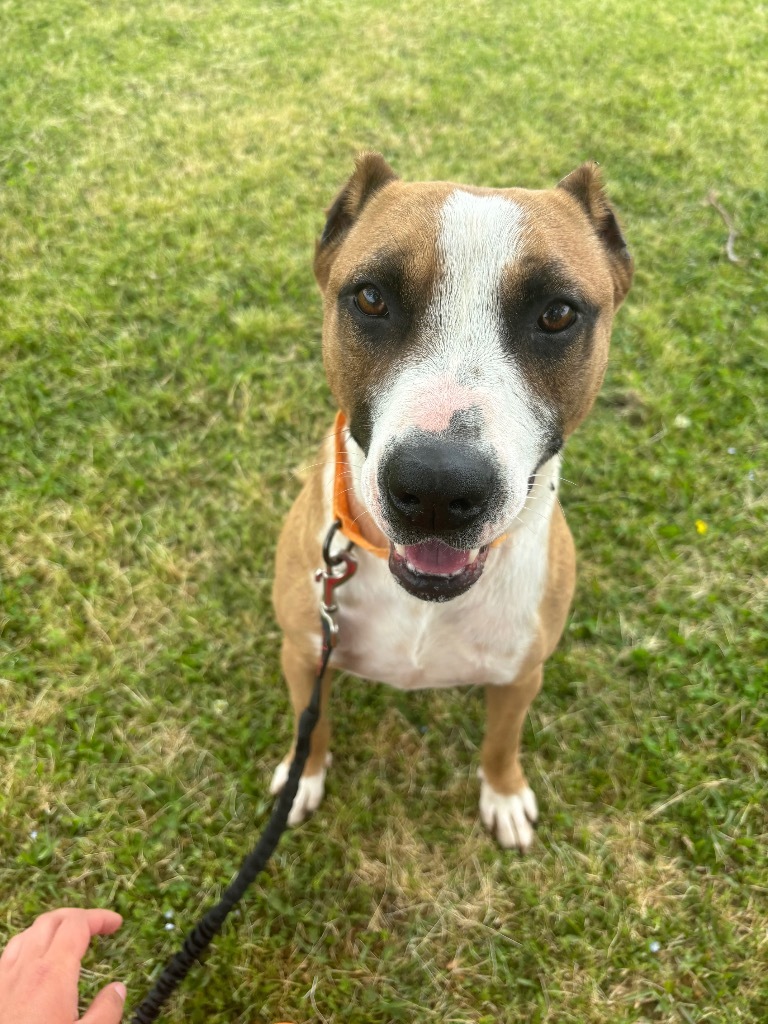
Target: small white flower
[
  {"x": 682, "y": 422},
  {"x": 169, "y": 926},
  {"x": 731, "y": 451},
  {"x": 168, "y": 915},
  {"x": 654, "y": 946},
  {"x": 33, "y": 834}
]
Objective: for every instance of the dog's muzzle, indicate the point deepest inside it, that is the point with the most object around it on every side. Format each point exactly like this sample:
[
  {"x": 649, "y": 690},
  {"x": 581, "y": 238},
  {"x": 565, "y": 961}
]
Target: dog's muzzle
[{"x": 438, "y": 498}]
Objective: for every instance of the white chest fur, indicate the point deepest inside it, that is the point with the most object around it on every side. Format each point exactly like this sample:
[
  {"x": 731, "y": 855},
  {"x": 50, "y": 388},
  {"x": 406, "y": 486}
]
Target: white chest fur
[{"x": 389, "y": 636}]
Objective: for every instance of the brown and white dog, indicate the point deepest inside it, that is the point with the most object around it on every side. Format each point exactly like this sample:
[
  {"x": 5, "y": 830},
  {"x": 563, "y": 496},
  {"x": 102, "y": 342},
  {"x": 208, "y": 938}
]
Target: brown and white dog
[{"x": 465, "y": 336}]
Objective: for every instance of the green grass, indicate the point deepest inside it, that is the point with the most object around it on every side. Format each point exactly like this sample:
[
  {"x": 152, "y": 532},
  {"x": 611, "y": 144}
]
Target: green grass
[{"x": 164, "y": 169}]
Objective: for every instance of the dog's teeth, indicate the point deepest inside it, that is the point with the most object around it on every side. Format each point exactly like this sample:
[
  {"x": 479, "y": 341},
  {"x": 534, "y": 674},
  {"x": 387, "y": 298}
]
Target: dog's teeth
[
  {"x": 400, "y": 549},
  {"x": 473, "y": 555}
]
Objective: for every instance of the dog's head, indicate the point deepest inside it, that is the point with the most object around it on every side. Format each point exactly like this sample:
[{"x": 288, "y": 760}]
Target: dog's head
[{"x": 465, "y": 336}]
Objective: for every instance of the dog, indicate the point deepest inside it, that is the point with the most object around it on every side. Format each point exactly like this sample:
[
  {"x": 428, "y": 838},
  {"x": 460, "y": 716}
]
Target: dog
[{"x": 465, "y": 336}]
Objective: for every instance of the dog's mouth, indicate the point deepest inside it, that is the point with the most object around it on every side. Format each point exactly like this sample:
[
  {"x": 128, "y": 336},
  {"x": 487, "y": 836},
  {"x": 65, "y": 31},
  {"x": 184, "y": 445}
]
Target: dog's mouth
[{"x": 434, "y": 571}]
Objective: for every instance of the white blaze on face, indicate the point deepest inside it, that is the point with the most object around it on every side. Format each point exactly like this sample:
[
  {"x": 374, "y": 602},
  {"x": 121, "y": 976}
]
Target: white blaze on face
[{"x": 460, "y": 360}]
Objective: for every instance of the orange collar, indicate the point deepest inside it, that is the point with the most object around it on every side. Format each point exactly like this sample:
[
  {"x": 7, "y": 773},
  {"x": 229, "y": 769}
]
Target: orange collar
[{"x": 342, "y": 485}]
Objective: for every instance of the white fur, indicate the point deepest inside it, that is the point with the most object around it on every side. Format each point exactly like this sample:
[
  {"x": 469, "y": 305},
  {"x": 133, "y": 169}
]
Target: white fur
[
  {"x": 509, "y": 817},
  {"x": 482, "y": 636},
  {"x": 309, "y": 795},
  {"x": 461, "y": 360}
]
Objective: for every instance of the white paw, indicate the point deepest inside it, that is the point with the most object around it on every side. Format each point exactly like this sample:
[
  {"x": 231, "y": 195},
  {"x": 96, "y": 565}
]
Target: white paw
[
  {"x": 309, "y": 795},
  {"x": 510, "y": 817}
]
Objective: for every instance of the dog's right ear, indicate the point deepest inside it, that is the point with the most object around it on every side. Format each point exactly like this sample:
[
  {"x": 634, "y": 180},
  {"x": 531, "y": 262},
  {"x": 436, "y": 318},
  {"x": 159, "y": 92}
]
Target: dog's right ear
[{"x": 372, "y": 173}]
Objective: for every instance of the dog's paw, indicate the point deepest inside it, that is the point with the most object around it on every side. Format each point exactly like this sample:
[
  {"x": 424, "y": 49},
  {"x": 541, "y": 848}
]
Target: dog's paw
[
  {"x": 309, "y": 795},
  {"x": 511, "y": 818}
]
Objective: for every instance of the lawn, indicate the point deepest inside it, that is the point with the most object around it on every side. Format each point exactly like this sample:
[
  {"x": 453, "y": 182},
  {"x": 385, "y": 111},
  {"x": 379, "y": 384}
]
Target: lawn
[{"x": 163, "y": 171}]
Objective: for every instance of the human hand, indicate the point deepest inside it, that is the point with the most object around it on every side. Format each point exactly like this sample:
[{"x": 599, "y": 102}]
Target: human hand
[{"x": 40, "y": 969}]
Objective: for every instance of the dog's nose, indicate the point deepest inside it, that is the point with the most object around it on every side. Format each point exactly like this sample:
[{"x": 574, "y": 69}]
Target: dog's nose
[{"x": 437, "y": 486}]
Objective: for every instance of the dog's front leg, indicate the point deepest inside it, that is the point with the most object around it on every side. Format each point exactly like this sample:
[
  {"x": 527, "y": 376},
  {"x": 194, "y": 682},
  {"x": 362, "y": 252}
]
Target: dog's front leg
[
  {"x": 507, "y": 803},
  {"x": 300, "y": 676}
]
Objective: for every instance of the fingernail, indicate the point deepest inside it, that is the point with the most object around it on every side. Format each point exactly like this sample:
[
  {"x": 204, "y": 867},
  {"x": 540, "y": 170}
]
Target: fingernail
[{"x": 121, "y": 990}]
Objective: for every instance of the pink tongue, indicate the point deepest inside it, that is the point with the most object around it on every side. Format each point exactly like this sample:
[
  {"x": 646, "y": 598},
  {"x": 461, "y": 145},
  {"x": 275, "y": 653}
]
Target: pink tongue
[{"x": 435, "y": 558}]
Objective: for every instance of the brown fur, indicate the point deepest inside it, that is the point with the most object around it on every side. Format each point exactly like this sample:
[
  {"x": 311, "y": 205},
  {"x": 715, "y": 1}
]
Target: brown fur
[{"x": 375, "y": 216}]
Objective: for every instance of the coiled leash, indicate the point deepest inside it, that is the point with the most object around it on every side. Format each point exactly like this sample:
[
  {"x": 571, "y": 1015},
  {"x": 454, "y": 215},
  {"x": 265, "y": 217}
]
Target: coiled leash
[{"x": 338, "y": 569}]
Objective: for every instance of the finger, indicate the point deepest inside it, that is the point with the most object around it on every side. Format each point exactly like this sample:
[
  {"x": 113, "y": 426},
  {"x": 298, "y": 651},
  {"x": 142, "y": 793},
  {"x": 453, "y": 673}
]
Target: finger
[
  {"x": 11, "y": 952},
  {"x": 37, "y": 938},
  {"x": 76, "y": 928},
  {"x": 107, "y": 1007}
]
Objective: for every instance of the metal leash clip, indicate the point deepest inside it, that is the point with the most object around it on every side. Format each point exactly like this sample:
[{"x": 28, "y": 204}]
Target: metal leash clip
[{"x": 338, "y": 569}]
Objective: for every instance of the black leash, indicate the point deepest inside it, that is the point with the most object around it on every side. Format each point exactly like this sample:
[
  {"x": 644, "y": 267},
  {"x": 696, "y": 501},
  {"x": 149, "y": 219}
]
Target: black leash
[{"x": 338, "y": 569}]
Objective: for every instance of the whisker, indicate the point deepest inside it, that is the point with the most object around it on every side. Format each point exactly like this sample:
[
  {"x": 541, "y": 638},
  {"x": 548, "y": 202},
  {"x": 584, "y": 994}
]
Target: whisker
[
  {"x": 523, "y": 523},
  {"x": 533, "y": 511},
  {"x": 329, "y": 462},
  {"x": 347, "y": 490},
  {"x": 332, "y": 433}
]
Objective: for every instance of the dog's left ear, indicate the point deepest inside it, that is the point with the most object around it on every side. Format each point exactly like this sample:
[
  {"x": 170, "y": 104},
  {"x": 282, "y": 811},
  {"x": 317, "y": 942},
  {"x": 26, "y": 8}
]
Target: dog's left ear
[
  {"x": 586, "y": 186},
  {"x": 372, "y": 173}
]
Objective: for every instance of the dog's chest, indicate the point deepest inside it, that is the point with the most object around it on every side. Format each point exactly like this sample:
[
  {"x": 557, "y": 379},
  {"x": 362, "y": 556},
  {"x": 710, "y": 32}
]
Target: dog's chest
[{"x": 482, "y": 637}]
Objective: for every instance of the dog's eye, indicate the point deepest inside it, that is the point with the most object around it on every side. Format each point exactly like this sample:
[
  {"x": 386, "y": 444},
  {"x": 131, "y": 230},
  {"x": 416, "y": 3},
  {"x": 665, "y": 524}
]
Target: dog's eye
[
  {"x": 557, "y": 317},
  {"x": 369, "y": 301}
]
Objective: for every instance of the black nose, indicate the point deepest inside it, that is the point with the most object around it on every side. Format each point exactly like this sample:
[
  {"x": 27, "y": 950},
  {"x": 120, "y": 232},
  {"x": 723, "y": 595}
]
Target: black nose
[{"x": 437, "y": 486}]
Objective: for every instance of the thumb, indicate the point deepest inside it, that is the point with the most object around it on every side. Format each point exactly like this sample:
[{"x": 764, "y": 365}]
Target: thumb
[{"x": 107, "y": 1007}]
